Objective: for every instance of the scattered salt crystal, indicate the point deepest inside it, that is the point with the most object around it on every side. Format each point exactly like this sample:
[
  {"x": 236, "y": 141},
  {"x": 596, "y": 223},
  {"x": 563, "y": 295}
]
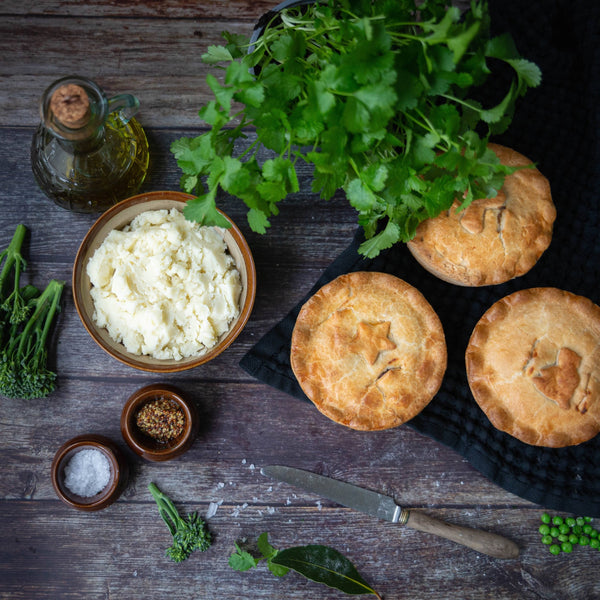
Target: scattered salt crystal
[
  {"x": 220, "y": 485},
  {"x": 212, "y": 510},
  {"x": 319, "y": 504},
  {"x": 245, "y": 505},
  {"x": 288, "y": 502},
  {"x": 270, "y": 510},
  {"x": 252, "y": 467},
  {"x": 243, "y": 461},
  {"x": 87, "y": 473}
]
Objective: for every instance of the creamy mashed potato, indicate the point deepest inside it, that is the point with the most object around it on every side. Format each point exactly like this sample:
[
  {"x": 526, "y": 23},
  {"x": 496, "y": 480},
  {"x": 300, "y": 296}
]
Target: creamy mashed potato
[{"x": 164, "y": 286}]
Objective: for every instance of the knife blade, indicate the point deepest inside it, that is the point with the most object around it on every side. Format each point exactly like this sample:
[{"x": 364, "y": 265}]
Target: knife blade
[{"x": 385, "y": 507}]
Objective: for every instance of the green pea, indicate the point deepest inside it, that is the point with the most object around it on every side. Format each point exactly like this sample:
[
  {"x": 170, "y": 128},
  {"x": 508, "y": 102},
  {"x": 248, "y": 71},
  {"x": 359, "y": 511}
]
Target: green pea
[
  {"x": 584, "y": 541},
  {"x": 554, "y": 549},
  {"x": 544, "y": 529},
  {"x": 563, "y": 538},
  {"x": 548, "y": 539},
  {"x": 587, "y": 529},
  {"x": 580, "y": 521},
  {"x": 564, "y": 528},
  {"x": 587, "y": 519},
  {"x": 594, "y": 543},
  {"x": 577, "y": 530},
  {"x": 554, "y": 532},
  {"x": 574, "y": 539},
  {"x": 557, "y": 520},
  {"x": 545, "y": 518},
  {"x": 570, "y": 521},
  {"x": 594, "y": 533},
  {"x": 566, "y": 547}
]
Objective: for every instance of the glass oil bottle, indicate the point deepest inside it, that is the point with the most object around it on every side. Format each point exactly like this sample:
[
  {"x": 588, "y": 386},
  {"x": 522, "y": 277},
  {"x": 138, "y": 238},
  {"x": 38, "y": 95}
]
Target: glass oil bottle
[{"x": 88, "y": 152}]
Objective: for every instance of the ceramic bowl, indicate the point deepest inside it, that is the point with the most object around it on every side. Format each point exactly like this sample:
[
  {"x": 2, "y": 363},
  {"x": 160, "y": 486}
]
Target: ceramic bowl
[
  {"x": 119, "y": 216},
  {"x": 144, "y": 445},
  {"x": 118, "y": 472}
]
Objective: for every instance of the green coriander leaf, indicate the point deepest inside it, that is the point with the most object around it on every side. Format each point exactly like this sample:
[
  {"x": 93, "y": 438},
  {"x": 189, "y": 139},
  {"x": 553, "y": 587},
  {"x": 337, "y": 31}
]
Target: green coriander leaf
[
  {"x": 216, "y": 54},
  {"x": 234, "y": 179},
  {"x": 237, "y": 44},
  {"x": 203, "y": 210},
  {"x": 258, "y": 220},
  {"x": 193, "y": 155},
  {"x": 242, "y": 560},
  {"x": 213, "y": 114},
  {"x": 252, "y": 95},
  {"x": 237, "y": 74},
  {"x": 441, "y": 31},
  {"x": 223, "y": 94},
  {"x": 502, "y": 47},
  {"x": 360, "y": 196},
  {"x": 264, "y": 546},
  {"x": 527, "y": 71},
  {"x": 357, "y": 116},
  {"x": 460, "y": 43}
]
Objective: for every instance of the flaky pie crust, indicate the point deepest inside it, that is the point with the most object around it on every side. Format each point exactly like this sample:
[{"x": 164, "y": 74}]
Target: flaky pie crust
[
  {"x": 493, "y": 239},
  {"x": 368, "y": 350},
  {"x": 533, "y": 366}
]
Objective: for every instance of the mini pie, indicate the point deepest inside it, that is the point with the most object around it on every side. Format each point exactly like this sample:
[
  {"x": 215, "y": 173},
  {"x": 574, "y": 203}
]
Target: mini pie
[
  {"x": 368, "y": 350},
  {"x": 533, "y": 366},
  {"x": 493, "y": 239}
]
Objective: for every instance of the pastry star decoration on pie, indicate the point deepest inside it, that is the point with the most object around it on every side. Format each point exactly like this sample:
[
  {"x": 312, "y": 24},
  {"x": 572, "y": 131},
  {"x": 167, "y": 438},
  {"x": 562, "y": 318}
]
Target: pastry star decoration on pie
[{"x": 371, "y": 339}]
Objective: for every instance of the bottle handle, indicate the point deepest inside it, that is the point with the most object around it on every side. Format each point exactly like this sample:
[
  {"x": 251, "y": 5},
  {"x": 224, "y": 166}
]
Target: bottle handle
[{"x": 126, "y": 104}]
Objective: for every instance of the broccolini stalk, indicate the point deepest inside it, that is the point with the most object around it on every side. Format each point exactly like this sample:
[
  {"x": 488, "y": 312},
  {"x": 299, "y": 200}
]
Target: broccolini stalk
[
  {"x": 188, "y": 535},
  {"x": 13, "y": 304},
  {"x": 23, "y": 370}
]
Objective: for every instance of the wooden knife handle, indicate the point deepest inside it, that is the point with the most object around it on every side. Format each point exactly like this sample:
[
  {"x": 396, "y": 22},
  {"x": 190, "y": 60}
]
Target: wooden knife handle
[{"x": 482, "y": 541}]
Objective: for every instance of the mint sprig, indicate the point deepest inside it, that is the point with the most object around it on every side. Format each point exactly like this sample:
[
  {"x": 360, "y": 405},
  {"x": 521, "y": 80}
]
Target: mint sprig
[{"x": 378, "y": 97}]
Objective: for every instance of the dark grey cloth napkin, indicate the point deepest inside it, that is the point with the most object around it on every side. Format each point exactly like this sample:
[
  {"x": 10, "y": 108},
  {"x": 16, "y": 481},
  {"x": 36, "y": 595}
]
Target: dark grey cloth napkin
[{"x": 557, "y": 125}]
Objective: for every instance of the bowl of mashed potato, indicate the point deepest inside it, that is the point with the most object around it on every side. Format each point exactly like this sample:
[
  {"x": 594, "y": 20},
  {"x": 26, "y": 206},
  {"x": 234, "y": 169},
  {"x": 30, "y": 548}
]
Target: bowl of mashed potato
[{"x": 158, "y": 292}]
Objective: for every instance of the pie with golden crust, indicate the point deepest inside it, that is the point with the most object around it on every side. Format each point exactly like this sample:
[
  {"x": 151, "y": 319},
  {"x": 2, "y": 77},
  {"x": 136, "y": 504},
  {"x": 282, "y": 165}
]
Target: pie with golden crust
[
  {"x": 493, "y": 239},
  {"x": 533, "y": 366},
  {"x": 368, "y": 350}
]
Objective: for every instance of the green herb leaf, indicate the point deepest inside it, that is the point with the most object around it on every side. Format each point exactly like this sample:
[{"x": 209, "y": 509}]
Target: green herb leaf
[
  {"x": 324, "y": 565},
  {"x": 242, "y": 560},
  {"x": 374, "y": 99}
]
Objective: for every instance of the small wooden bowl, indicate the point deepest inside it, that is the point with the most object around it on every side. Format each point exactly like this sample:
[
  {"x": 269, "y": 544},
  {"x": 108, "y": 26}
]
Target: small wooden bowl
[
  {"x": 119, "y": 471},
  {"x": 117, "y": 217},
  {"x": 144, "y": 445}
]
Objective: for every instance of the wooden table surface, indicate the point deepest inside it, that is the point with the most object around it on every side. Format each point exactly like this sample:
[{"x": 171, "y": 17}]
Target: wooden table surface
[{"x": 152, "y": 48}]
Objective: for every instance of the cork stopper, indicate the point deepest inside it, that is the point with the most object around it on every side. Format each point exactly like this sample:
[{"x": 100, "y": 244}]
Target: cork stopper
[{"x": 71, "y": 105}]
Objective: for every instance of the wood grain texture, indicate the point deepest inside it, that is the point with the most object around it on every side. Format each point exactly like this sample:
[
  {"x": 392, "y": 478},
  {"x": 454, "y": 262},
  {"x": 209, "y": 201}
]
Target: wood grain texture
[{"x": 48, "y": 550}]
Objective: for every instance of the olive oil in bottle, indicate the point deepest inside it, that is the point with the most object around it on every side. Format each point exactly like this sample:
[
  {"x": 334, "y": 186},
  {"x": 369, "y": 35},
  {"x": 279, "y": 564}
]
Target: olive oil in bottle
[{"x": 89, "y": 152}]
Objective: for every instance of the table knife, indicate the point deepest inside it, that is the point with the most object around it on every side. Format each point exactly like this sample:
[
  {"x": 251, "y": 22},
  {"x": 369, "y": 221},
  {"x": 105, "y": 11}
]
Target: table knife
[{"x": 384, "y": 507}]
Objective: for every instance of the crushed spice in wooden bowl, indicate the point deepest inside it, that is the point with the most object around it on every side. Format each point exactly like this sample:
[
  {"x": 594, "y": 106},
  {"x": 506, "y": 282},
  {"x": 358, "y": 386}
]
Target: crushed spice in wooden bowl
[{"x": 158, "y": 423}]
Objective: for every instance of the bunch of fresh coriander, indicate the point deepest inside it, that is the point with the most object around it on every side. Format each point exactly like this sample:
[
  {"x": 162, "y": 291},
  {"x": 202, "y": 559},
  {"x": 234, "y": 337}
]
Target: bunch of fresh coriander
[{"x": 377, "y": 95}]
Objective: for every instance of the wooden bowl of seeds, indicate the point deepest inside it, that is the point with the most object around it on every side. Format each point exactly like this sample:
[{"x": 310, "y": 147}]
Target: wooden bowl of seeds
[{"x": 158, "y": 423}]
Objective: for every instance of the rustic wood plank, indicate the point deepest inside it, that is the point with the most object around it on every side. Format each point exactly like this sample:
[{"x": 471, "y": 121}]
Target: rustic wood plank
[
  {"x": 54, "y": 558},
  {"x": 164, "y": 9},
  {"x": 157, "y": 60}
]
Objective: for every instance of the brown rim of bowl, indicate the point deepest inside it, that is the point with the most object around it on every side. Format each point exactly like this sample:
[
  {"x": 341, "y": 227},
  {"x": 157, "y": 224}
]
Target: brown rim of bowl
[
  {"x": 142, "y": 444},
  {"x": 117, "y": 350},
  {"x": 118, "y": 472}
]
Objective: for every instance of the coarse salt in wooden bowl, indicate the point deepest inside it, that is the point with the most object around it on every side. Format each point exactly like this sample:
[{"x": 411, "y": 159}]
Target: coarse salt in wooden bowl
[
  {"x": 121, "y": 215},
  {"x": 89, "y": 483}
]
